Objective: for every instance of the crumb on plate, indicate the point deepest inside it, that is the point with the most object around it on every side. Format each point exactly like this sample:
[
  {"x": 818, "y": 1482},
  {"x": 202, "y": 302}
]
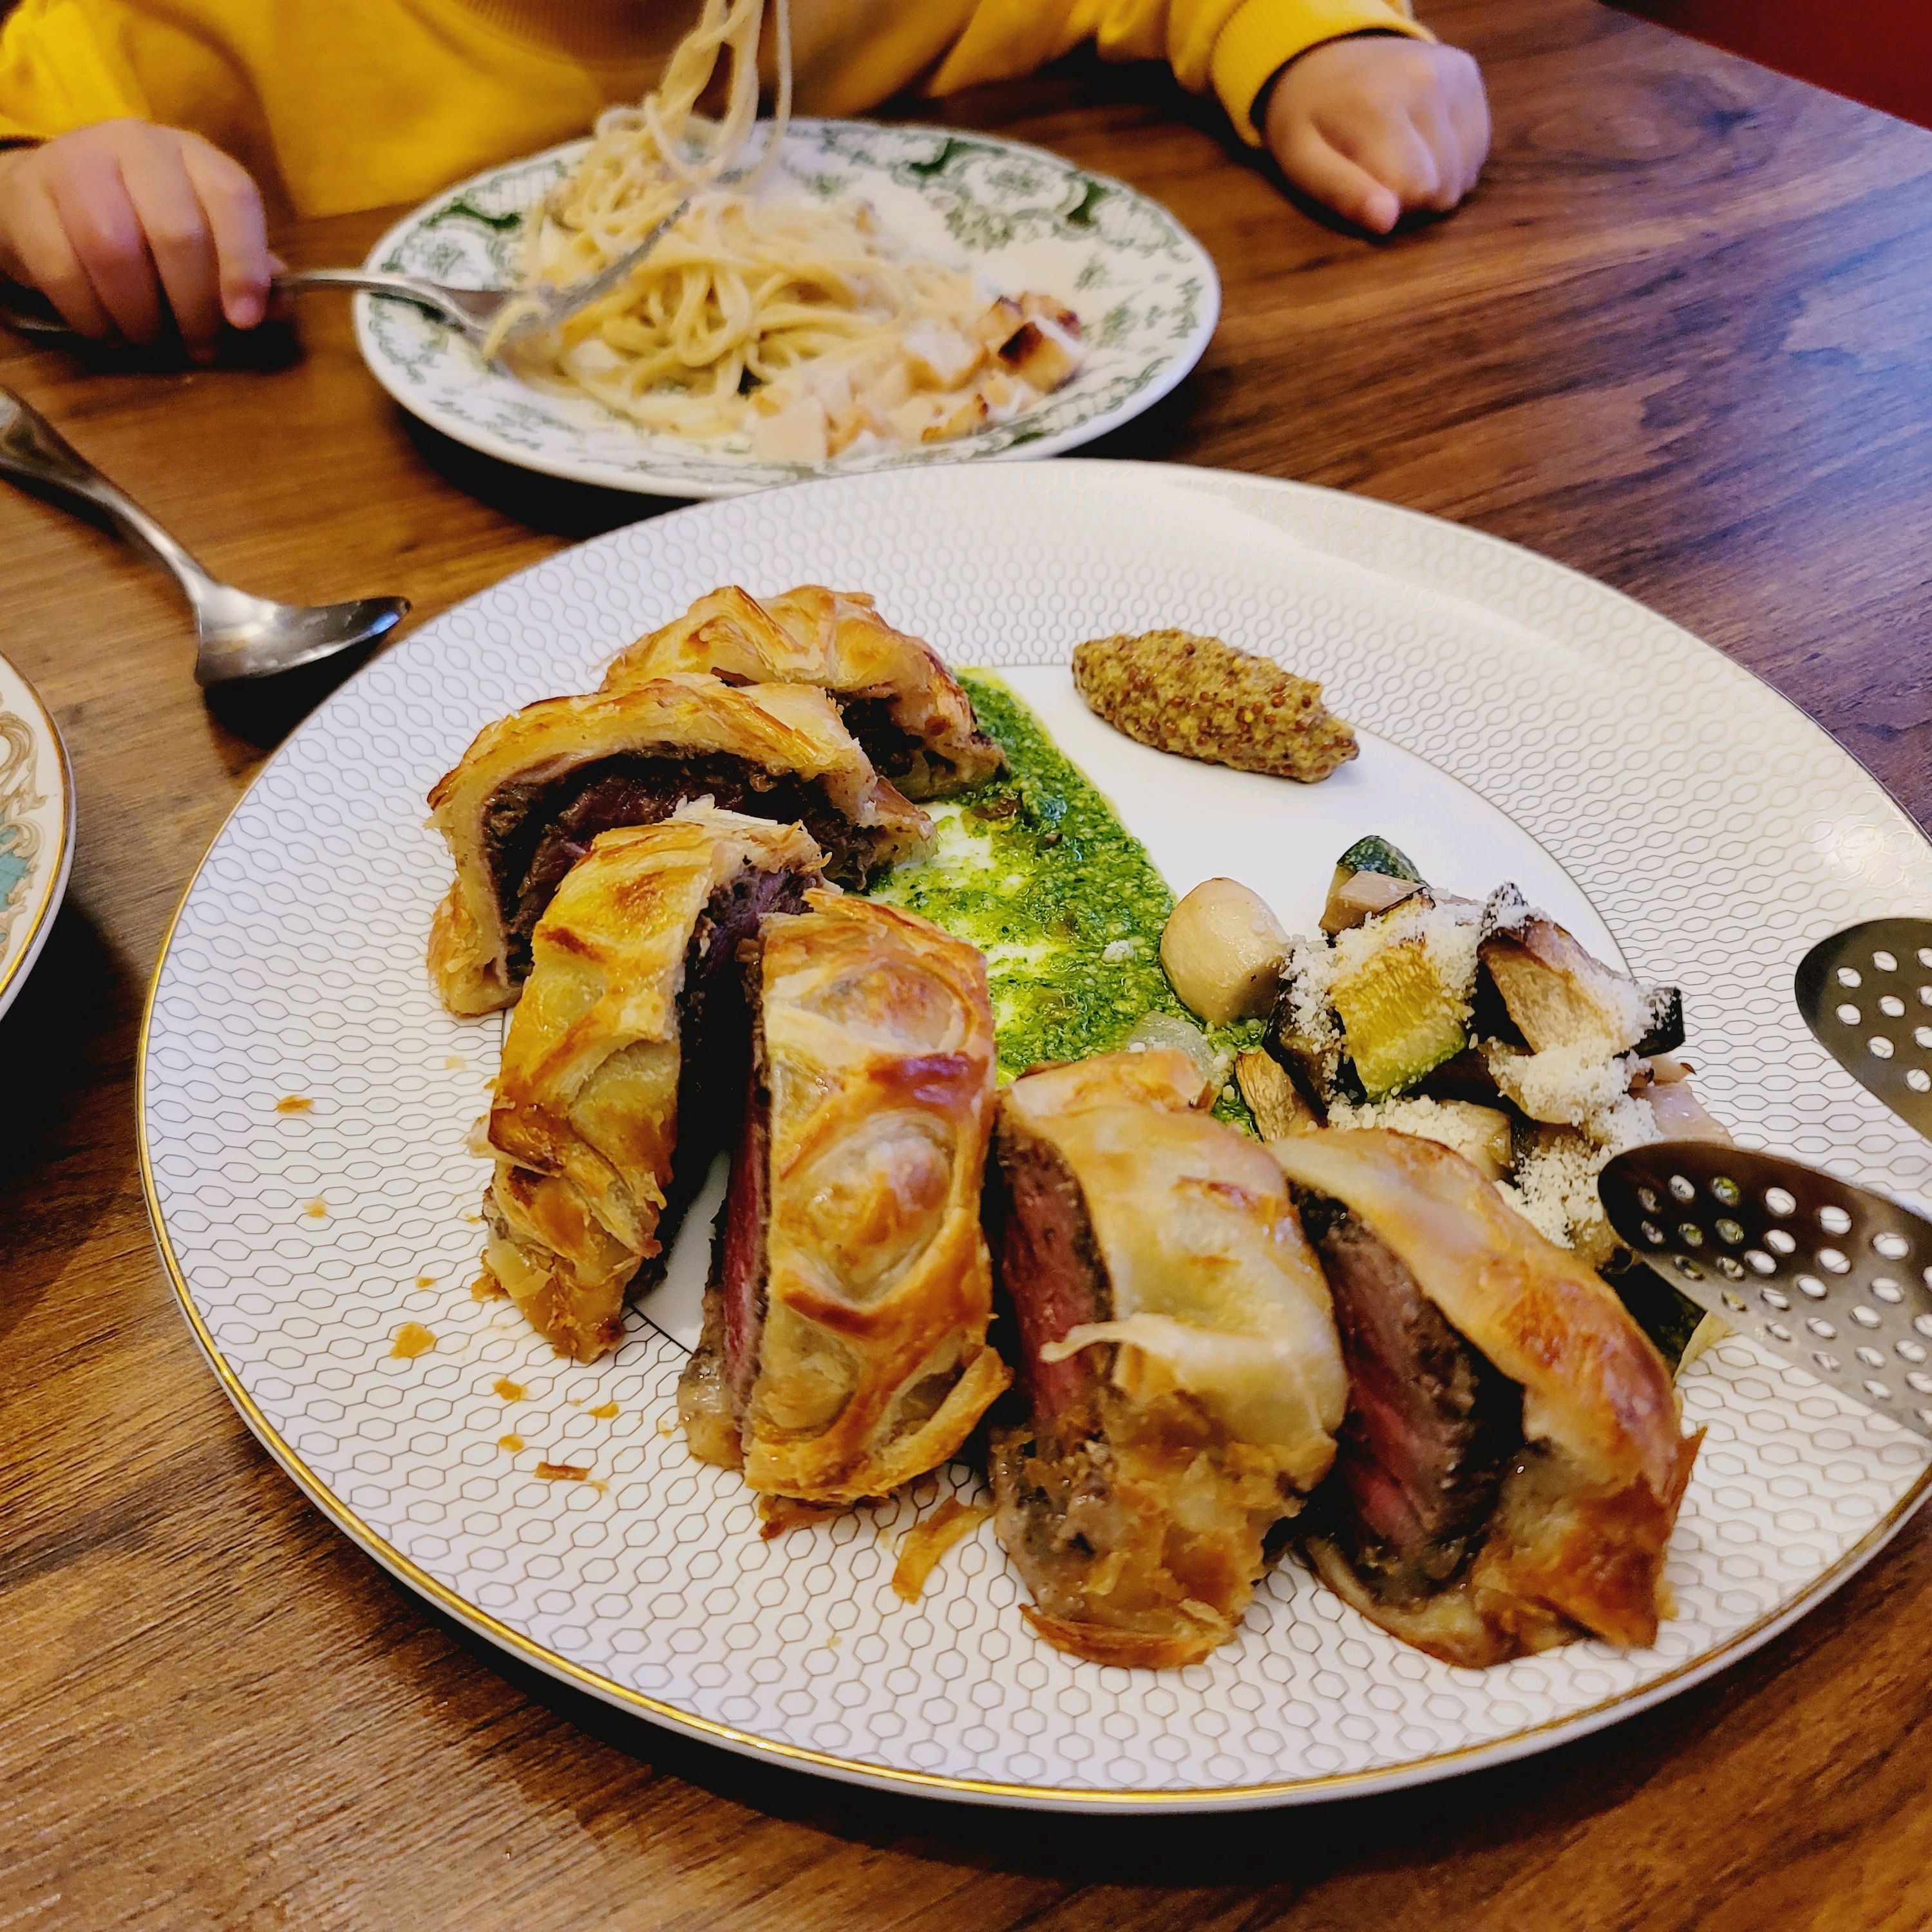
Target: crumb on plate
[
  {"x": 929, "y": 1539},
  {"x": 411, "y": 1340}
]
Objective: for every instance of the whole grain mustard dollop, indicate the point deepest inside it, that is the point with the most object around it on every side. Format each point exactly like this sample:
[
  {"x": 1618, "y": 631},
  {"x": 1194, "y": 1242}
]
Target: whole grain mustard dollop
[{"x": 1200, "y": 698}]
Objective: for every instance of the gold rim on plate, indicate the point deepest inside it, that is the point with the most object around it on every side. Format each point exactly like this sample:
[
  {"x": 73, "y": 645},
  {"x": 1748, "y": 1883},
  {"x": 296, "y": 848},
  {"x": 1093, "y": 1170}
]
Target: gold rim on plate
[
  {"x": 55, "y": 890},
  {"x": 1320, "y": 1787}
]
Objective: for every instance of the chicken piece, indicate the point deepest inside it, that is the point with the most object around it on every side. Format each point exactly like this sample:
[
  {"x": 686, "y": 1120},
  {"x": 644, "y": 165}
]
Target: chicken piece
[
  {"x": 1042, "y": 353},
  {"x": 797, "y": 433},
  {"x": 941, "y": 356},
  {"x": 960, "y": 415}
]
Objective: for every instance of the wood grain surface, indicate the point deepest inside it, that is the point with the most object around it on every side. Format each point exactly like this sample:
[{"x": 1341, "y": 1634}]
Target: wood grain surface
[{"x": 1680, "y": 340}]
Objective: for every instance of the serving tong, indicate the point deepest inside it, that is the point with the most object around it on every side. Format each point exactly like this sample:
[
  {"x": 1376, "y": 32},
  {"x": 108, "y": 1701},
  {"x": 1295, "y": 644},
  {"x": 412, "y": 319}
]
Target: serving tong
[{"x": 1835, "y": 1278}]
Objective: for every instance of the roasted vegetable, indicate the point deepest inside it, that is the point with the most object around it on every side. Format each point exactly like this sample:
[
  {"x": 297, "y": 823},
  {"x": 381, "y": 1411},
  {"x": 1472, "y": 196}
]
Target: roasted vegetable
[
  {"x": 1467, "y": 1077},
  {"x": 1363, "y": 895},
  {"x": 1375, "y": 854},
  {"x": 1482, "y": 1136},
  {"x": 1554, "y": 993},
  {"x": 1154, "y": 1031},
  {"x": 1667, "y": 1022},
  {"x": 1369, "y": 877},
  {"x": 1276, "y": 1103},
  {"x": 1665, "y": 1083},
  {"x": 1398, "y": 1021},
  {"x": 1221, "y": 950}
]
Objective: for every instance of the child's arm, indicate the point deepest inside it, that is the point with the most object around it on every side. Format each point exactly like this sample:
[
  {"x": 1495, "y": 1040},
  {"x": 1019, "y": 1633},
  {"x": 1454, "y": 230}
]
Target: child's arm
[
  {"x": 120, "y": 224},
  {"x": 1374, "y": 126},
  {"x": 1362, "y": 109},
  {"x": 107, "y": 206}
]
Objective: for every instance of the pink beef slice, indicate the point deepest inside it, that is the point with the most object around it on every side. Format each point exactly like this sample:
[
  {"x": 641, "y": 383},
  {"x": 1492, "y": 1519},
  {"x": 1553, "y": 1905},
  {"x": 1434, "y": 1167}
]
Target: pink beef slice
[
  {"x": 1052, "y": 1273},
  {"x": 714, "y": 1033},
  {"x": 1430, "y": 1425},
  {"x": 740, "y": 1253}
]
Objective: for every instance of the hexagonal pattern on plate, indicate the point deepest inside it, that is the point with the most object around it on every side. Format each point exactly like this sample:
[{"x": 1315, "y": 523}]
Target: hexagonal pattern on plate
[{"x": 1717, "y": 833}]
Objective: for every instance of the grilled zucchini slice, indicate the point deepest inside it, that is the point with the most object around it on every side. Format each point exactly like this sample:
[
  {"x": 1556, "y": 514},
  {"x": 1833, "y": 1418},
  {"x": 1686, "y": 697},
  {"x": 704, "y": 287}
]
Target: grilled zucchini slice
[
  {"x": 1398, "y": 1021},
  {"x": 1370, "y": 877}
]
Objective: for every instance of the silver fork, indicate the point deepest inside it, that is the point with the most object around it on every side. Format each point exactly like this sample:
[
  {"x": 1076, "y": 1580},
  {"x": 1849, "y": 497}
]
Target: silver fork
[{"x": 472, "y": 312}]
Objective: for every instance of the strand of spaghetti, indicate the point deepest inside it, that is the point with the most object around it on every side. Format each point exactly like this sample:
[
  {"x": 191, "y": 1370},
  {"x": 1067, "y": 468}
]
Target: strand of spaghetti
[{"x": 759, "y": 311}]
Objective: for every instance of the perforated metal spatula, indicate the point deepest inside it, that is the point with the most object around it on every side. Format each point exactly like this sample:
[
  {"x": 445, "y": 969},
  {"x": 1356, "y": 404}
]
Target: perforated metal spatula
[
  {"x": 1867, "y": 994},
  {"x": 1835, "y": 1279}
]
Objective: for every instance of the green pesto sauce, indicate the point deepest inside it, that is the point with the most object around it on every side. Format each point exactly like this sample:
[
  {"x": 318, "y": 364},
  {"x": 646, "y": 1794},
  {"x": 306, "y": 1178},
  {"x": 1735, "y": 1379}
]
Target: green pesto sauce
[{"x": 1036, "y": 869}]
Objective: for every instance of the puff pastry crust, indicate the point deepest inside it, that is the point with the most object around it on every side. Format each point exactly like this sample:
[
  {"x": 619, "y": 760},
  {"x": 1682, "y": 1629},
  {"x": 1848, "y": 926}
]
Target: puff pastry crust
[
  {"x": 1584, "y": 1511},
  {"x": 535, "y": 787},
  {"x": 1180, "y": 1359},
  {"x": 621, "y": 1057},
  {"x": 898, "y": 699},
  {"x": 845, "y": 1348}
]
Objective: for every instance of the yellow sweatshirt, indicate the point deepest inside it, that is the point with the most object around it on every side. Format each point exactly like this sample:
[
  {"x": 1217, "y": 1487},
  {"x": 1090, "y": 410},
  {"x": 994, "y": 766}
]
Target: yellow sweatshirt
[{"x": 340, "y": 104}]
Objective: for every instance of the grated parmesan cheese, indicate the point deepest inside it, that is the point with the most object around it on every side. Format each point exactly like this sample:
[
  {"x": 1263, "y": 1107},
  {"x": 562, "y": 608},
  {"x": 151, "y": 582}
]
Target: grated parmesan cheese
[
  {"x": 1565, "y": 1086},
  {"x": 1556, "y": 1170},
  {"x": 1447, "y": 1127},
  {"x": 1449, "y": 932},
  {"x": 1579, "y": 1092}
]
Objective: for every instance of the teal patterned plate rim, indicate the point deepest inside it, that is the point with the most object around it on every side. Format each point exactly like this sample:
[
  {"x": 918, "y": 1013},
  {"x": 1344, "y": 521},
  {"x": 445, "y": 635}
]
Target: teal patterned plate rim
[
  {"x": 37, "y": 828},
  {"x": 1145, "y": 289}
]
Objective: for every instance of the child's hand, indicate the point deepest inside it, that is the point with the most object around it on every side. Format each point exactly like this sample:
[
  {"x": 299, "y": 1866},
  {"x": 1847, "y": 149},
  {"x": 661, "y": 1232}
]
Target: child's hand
[
  {"x": 1374, "y": 125},
  {"x": 118, "y": 223}
]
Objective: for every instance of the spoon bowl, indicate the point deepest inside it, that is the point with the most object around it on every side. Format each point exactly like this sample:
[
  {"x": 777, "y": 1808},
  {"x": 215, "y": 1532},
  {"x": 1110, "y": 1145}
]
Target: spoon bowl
[
  {"x": 1866, "y": 993},
  {"x": 1835, "y": 1278},
  {"x": 241, "y": 636}
]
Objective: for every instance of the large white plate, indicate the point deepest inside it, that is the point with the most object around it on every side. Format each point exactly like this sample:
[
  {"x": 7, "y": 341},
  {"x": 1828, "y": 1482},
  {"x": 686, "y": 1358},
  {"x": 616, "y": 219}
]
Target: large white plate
[
  {"x": 37, "y": 823},
  {"x": 1023, "y": 219},
  {"x": 1523, "y": 720}
]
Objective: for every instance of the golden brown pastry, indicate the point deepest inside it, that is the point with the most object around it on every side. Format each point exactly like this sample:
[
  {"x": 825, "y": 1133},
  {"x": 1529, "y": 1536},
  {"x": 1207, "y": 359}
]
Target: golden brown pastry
[
  {"x": 1179, "y": 1357},
  {"x": 625, "y": 1058},
  {"x": 1512, "y": 1464},
  {"x": 844, "y": 1348},
  {"x": 899, "y": 701},
  {"x": 535, "y": 787}
]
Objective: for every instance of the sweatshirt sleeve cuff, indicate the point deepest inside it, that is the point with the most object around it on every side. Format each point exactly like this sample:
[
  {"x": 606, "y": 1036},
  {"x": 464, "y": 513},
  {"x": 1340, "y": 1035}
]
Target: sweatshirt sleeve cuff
[{"x": 1264, "y": 35}]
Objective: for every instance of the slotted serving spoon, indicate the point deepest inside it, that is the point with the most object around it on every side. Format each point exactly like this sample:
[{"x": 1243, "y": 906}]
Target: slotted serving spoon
[
  {"x": 1835, "y": 1278},
  {"x": 1867, "y": 994}
]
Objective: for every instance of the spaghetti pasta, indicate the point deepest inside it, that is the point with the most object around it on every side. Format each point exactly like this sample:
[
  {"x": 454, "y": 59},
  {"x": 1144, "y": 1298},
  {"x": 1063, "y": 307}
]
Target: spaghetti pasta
[{"x": 803, "y": 324}]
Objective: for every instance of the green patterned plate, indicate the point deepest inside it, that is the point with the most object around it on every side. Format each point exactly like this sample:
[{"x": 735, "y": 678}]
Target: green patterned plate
[{"x": 1145, "y": 289}]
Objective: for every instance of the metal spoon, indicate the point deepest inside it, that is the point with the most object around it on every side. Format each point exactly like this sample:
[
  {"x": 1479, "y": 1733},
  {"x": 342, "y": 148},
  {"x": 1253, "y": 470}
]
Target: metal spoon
[
  {"x": 241, "y": 636},
  {"x": 1867, "y": 994},
  {"x": 1832, "y": 1277}
]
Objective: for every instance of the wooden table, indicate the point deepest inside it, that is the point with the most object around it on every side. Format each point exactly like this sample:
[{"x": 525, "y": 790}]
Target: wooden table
[{"x": 1679, "y": 340}]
